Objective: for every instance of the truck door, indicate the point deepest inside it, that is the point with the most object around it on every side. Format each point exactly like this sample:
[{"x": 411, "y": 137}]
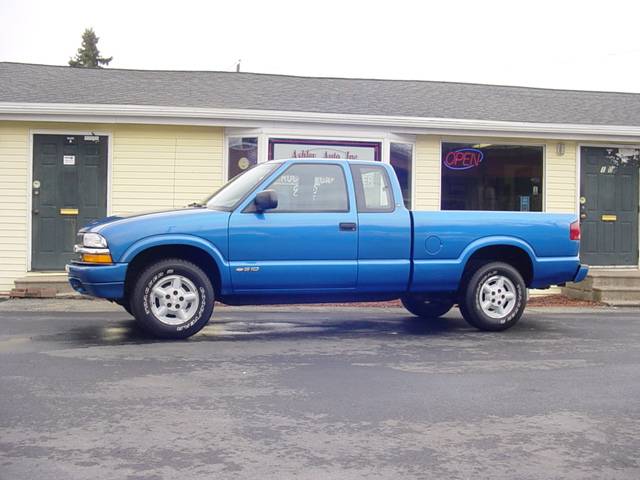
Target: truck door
[
  {"x": 384, "y": 231},
  {"x": 308, "y": 243}
]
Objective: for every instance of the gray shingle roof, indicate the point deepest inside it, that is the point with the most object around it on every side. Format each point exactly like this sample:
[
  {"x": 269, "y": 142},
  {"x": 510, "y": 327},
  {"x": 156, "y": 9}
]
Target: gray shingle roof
[{"x": 55, "y": 84}]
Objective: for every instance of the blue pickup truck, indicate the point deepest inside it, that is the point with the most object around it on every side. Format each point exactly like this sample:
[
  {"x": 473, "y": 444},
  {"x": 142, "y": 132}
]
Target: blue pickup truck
[{"x": 299, "y": 231}]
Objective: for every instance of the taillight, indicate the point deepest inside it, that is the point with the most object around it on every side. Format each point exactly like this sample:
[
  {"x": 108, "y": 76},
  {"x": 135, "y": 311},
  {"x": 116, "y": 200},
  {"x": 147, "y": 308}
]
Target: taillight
[{"x": 574, "y": 230}]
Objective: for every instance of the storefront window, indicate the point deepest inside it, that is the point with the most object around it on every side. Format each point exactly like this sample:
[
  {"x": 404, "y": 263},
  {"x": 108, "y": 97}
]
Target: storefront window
[
  {"x": 492, "y": 177},
  {"x": 400, "y": 157},
  {"x": 243, "y": 153}
]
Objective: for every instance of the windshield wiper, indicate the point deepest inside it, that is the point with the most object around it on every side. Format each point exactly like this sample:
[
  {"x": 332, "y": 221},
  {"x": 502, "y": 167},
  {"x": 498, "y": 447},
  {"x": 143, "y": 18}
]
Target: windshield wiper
[{"x": 196, "y": 205}]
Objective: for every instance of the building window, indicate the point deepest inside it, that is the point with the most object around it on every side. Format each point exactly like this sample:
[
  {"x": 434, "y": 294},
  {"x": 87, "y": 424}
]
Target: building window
[
  {"x": 242, "y": 154},
  {"x": 492, "y": 177},
  {"x": 401, "y": 159},
  {"x": 281, "y": 148}
]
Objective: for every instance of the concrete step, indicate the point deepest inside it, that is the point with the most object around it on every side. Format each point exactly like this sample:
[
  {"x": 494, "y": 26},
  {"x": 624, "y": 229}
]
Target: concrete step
[
  {"x": 612, "y": 296},
  {"x": 625, "y": 303},
  {"x": 614, "y": 272},
  {"x": 578, "y": 293},
  {"x": 42, "y": 285},
  {"x": 610, "y": 286},
  {"x": 613, "y": 278}
]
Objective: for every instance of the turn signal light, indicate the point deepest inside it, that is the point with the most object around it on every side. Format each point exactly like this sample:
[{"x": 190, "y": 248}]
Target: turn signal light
[
  {"x": 96, "y": 258},
  {"x": 574, "y": 230}
]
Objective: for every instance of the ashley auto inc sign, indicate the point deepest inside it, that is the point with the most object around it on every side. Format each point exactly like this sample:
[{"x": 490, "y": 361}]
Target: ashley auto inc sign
[
  {"x": 463, "y": 159},
  {"x": 281, "y": 148}
]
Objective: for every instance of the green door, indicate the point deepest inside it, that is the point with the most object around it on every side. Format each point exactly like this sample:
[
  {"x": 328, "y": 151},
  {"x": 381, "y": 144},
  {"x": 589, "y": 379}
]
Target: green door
[
  {"x": 609, "y": 206},
  {"x": 69, "y": 189}
]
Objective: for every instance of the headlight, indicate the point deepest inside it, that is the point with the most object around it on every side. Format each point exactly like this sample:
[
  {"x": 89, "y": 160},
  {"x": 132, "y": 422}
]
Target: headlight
[{"x": 94, "y": 240}]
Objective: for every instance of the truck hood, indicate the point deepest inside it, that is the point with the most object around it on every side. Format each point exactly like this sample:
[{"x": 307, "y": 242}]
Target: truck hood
[
  {"x": 122, "y": 232},
  {"x": 95, "y": 225}
]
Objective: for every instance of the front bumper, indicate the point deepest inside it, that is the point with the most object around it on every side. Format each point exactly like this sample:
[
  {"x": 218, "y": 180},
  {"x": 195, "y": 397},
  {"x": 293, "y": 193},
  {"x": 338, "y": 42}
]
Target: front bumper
[
  {"x": 104, "y": 281},
  {"x": 581, "y": 273}
]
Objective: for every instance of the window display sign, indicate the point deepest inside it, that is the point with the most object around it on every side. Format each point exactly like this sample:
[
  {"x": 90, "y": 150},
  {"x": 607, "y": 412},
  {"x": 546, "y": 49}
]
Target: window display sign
[
  {"x": 281, "y": 148},
  {"x": 463, "y": 158}
]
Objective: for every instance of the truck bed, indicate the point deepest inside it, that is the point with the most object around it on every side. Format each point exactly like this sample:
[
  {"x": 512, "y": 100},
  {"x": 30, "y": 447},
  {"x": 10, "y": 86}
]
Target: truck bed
[{"x": 443, "y": 241}]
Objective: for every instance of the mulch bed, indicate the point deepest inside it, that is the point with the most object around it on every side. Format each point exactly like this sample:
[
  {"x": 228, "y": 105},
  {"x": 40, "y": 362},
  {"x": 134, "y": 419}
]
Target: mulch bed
[{"x": 561, "y": 301}]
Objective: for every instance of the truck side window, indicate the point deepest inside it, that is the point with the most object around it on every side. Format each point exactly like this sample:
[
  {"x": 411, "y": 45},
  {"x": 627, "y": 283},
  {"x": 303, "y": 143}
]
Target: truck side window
[
  {"x": 373, "y": 190},
  {"x": 311, "y": 187}
]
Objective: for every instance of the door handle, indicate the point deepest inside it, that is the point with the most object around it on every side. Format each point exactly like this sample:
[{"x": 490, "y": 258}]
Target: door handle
[{"x": 348, "y": 226}]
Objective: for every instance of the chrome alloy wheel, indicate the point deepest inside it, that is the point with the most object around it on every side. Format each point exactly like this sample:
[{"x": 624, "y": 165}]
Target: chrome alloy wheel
[
  {"x": 174, "y": 299},
  {"x": 497, "y": 297}
]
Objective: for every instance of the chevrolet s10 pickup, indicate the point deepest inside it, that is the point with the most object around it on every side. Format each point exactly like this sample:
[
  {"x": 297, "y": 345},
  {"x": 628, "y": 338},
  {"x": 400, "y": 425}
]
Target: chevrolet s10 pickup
[{"x": 302, "y": 230}]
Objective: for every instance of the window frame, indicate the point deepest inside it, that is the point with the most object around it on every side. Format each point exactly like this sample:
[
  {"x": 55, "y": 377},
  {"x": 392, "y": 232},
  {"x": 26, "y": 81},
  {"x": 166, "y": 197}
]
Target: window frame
[
  {"x": 361, "y": 203},
  {"x": 250, "y": 208},
  {"x": 516, "y": 142},
  {"x": 411, "y": 176},
  {"x": 225, "y": 158}
]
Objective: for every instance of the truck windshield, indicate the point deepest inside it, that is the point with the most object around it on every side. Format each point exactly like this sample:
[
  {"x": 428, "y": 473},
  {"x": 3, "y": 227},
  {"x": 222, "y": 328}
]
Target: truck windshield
[{"x": 227, "y": 197}]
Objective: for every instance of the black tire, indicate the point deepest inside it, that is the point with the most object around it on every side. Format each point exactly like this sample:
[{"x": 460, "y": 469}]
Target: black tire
[
  {"x": 472, "y": 298},
  {"x": 143, "y": 308},
  {"x": 426, "y": 308},
  {"x": 124, "y": 303}
]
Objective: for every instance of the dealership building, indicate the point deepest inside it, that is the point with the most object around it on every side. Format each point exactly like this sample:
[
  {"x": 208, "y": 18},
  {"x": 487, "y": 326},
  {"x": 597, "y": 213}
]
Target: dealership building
[{"x": 77, "y": 144}]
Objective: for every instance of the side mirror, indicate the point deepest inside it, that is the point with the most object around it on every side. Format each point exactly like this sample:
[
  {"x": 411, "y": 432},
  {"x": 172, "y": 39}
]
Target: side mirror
[{"x": 266, "y": 200}]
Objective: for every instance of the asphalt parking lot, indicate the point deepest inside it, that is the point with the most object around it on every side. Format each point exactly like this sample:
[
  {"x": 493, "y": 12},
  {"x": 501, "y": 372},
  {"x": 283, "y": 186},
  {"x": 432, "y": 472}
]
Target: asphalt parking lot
[{"x": 317, "y": 393}]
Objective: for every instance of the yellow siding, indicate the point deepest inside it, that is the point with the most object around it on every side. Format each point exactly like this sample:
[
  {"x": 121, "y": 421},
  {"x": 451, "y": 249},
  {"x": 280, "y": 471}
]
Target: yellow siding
[
  {"x": 560, "y": 187},
  {"x": 427, "y": 173},
  {"x": 560, "y": 178},
  {"x": 152, "y": 167},
  {"x": 14, "y": 151},
  {"x": 156, "y": 167}
]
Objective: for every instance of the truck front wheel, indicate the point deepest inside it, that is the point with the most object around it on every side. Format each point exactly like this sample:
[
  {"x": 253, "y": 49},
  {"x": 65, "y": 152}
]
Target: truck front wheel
[
  {"x": 493, "y": 297},
  {"x": 172, "y": 298},
  {"x": 426, "y": 308}
]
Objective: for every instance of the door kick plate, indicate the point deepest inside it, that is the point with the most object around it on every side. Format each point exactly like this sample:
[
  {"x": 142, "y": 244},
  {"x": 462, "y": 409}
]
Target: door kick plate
[
  {"x": 609, "y": 218},
  {"x": 68, "y": 211}
]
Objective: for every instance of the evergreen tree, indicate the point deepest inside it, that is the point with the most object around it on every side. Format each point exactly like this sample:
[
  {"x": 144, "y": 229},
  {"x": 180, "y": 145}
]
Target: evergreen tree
[{"x": 88, "y": 55}]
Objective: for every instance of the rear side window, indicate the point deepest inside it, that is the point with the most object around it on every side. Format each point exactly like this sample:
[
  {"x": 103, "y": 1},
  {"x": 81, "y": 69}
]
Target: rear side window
[
  {"x": 311, "y": 187},
  {"x": 373, "y": 189}
]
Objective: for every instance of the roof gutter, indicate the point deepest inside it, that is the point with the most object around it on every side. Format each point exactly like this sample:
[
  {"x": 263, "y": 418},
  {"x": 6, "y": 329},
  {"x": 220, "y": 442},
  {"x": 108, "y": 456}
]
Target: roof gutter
[{"x": 234, "y": 117}]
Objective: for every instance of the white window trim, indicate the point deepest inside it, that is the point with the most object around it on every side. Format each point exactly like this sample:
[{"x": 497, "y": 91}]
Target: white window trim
[
  {"x": 412, "y": 186},
  {"x": 355, "y": 135}
]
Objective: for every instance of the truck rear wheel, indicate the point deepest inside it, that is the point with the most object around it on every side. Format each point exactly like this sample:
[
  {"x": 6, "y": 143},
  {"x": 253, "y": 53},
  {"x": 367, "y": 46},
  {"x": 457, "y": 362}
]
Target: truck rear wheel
[
  {"x": 173, "y": 298},
  {"x": 493, "y": 297},
  {"x": 426, "y": 308}
]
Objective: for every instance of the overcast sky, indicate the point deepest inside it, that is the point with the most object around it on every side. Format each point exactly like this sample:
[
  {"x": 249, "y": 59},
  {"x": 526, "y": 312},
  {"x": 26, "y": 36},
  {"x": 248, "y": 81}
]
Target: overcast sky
[{"x": 558, "y": 44}]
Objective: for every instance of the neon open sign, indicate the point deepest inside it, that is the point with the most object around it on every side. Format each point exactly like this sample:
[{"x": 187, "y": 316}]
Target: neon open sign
[{"x": 463, "y": 159}]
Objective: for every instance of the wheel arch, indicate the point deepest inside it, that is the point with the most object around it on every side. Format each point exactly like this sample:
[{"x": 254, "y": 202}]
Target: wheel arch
[
  {"x": 512, "y": 251},
  {"x": 185, "y": 247}
]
